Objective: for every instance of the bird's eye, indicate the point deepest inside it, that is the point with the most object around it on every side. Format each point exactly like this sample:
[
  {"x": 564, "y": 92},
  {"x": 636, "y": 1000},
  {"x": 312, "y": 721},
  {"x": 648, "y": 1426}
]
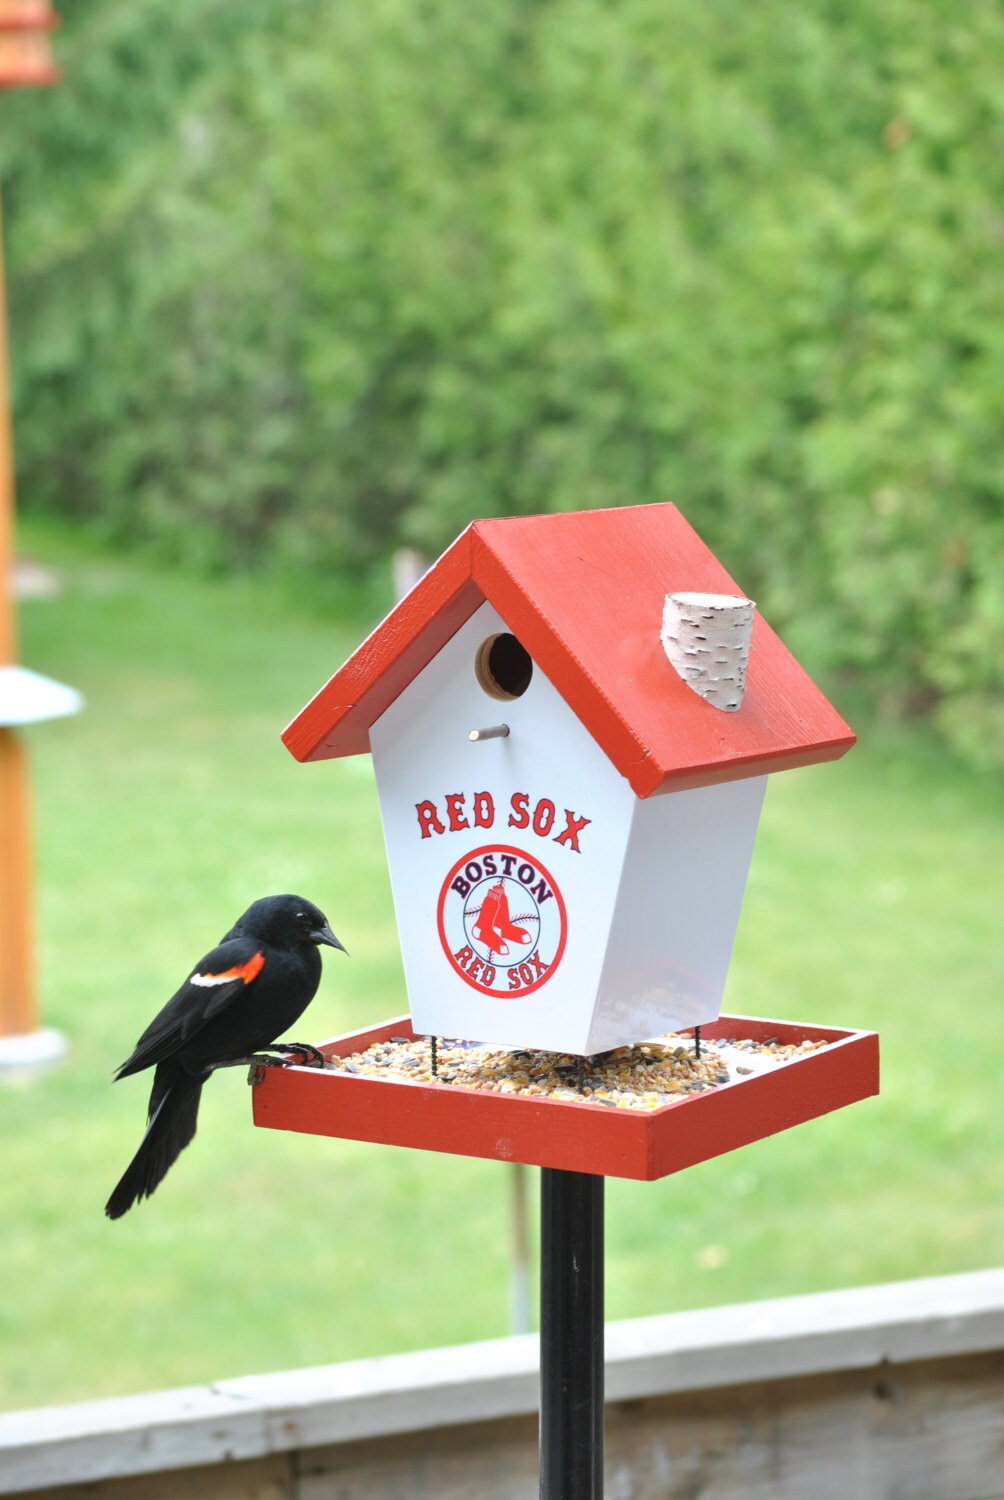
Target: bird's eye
[{"x": 301, "y": 916}]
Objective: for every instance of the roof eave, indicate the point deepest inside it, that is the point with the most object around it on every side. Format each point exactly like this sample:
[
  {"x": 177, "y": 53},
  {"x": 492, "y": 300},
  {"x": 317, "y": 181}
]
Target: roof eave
[
  {"x": 652, "y": 780},
  {"x": 337, "y": 719}
]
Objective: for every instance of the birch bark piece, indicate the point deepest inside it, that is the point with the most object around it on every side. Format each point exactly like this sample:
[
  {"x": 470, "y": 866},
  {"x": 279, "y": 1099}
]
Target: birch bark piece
[{"x": 707, "y": 640}]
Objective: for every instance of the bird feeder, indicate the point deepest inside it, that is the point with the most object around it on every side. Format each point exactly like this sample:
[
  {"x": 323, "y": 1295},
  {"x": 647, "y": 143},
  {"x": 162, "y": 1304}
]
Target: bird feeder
[
  {"x": 572, "y": 720},
  {"x": 25, "y": 37}
]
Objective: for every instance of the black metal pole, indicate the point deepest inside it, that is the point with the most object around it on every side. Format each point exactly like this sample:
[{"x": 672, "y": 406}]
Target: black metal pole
[{"x": 571, "y": 1336}]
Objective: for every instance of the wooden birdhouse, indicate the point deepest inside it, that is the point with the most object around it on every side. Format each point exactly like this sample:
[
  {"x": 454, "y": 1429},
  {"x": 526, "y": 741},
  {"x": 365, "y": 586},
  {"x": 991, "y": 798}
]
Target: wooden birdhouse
[
  {"x": 572, "y": 719},
  {"x": 25, "y": 54}
]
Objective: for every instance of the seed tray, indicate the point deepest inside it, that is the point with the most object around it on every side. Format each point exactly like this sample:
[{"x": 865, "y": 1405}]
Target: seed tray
[{"x": 576, "y": 1134}]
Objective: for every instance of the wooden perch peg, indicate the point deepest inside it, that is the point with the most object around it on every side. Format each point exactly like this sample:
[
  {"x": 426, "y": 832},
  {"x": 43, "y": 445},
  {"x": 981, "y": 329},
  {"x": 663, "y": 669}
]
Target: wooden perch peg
[
  {"x": 707, "y": 640},
  {"x": 493, "y": 732}
]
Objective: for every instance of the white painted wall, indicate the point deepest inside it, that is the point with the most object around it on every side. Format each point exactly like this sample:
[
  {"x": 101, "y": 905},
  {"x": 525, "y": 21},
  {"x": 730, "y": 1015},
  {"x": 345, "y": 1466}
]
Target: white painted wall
[
  {"x": 421, "y": 751},
  {"x": 677, "y": 911},
  {"x": 651, "y": 897}
]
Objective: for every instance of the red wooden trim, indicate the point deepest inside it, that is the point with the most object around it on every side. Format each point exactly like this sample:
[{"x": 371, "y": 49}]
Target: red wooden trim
[
  {"x": 584, "y": 592},
  {"x": 566, "y": 1134},
  {"x": 790, "y": 1094}
]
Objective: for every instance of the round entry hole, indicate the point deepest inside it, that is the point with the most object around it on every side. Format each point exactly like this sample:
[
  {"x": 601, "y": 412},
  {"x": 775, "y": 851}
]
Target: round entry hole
[{"x": 503, "y": 667}]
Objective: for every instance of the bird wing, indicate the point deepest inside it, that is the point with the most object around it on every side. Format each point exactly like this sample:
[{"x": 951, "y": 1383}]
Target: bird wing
[{"x": 214, "y": 984}]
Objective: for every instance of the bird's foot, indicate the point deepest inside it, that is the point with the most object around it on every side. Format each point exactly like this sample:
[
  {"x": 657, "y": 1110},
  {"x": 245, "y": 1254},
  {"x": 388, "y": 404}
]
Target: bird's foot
[
  {"x": 253, "y": 1059},
  {"x": 257, "y": 1064},
  {"x": 284, "y": 1055},
  {"x": 306, "y": 1055}
]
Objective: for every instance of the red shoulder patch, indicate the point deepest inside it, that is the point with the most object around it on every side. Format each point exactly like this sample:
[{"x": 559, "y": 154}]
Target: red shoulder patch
[{"x": 245, "y": 972}]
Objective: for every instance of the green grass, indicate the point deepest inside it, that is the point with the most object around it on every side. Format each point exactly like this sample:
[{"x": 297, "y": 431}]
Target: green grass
[{"x": 161, "y": 811}]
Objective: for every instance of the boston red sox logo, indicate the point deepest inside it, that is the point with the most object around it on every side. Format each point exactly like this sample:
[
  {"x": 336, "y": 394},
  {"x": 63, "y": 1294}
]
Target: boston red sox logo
[{"x": 502, "y": 920}]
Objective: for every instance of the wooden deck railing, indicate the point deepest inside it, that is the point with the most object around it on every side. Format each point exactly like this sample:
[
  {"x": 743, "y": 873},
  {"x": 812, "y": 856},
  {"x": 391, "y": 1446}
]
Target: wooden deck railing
[{"x": 879, "y": 1393}]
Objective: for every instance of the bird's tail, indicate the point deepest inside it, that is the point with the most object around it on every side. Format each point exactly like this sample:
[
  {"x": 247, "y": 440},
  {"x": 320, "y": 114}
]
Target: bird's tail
[{"x": 174, "y": 1110}]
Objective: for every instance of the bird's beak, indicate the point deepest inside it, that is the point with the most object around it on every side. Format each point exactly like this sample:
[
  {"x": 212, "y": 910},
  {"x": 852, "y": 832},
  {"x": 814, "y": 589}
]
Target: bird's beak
[{"x": 325, "y": 935}]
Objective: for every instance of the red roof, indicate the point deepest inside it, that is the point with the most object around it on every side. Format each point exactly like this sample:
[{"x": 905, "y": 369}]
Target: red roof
[{"x": 584, "y": 593}]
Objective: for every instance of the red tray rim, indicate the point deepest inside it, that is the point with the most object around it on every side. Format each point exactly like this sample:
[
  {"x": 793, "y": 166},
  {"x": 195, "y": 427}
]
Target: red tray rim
[{"x": 571, "y": 1134}]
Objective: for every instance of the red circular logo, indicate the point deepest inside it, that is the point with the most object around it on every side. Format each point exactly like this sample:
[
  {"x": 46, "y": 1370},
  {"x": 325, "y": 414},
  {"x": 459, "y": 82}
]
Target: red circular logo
[{"x": 502, "y": 921}]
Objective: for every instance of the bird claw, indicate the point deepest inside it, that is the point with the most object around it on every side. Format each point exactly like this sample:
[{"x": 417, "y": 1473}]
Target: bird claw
[
  {"x": 259, "y": 1062},
  {"x": 309, "y": 1055},
  {"x": 290, "y": 1054}
]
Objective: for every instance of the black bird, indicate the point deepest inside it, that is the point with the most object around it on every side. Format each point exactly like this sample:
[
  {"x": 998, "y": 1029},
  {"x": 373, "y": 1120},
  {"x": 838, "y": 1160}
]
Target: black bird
[{"x": 237, "y": 1000}]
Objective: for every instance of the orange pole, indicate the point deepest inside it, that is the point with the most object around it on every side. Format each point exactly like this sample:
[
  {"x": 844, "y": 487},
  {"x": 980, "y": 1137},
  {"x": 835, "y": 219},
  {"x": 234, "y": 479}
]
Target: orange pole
[
  {"x": 8, "y": 642},
  {"x": 17, "y": 997},
  {"x": 17, "y": 990}
]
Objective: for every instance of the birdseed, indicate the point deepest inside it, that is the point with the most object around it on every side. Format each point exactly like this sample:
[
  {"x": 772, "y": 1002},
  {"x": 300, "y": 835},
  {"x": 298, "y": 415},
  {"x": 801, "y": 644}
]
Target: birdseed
[{"x": 645, "y": 1076}]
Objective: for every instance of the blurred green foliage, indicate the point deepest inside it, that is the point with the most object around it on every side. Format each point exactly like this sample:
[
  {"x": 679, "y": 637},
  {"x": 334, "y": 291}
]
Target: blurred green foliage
[{"x": 298, "y": 282}]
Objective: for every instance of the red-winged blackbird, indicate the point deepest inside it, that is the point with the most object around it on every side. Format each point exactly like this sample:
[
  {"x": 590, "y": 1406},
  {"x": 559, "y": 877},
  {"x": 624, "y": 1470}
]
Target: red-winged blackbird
[{"x": 237, "y": 1000}]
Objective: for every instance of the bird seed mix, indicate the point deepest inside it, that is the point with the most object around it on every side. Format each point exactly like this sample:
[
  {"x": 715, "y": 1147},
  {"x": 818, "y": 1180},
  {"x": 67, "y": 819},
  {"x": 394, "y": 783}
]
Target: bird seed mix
[{"x": 645, "y": 1076}]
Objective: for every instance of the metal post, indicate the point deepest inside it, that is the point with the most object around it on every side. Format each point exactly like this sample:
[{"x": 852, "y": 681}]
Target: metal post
[
  {"x": 519, "y": 1276},
  {"x": 571, "y": 1336}
]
